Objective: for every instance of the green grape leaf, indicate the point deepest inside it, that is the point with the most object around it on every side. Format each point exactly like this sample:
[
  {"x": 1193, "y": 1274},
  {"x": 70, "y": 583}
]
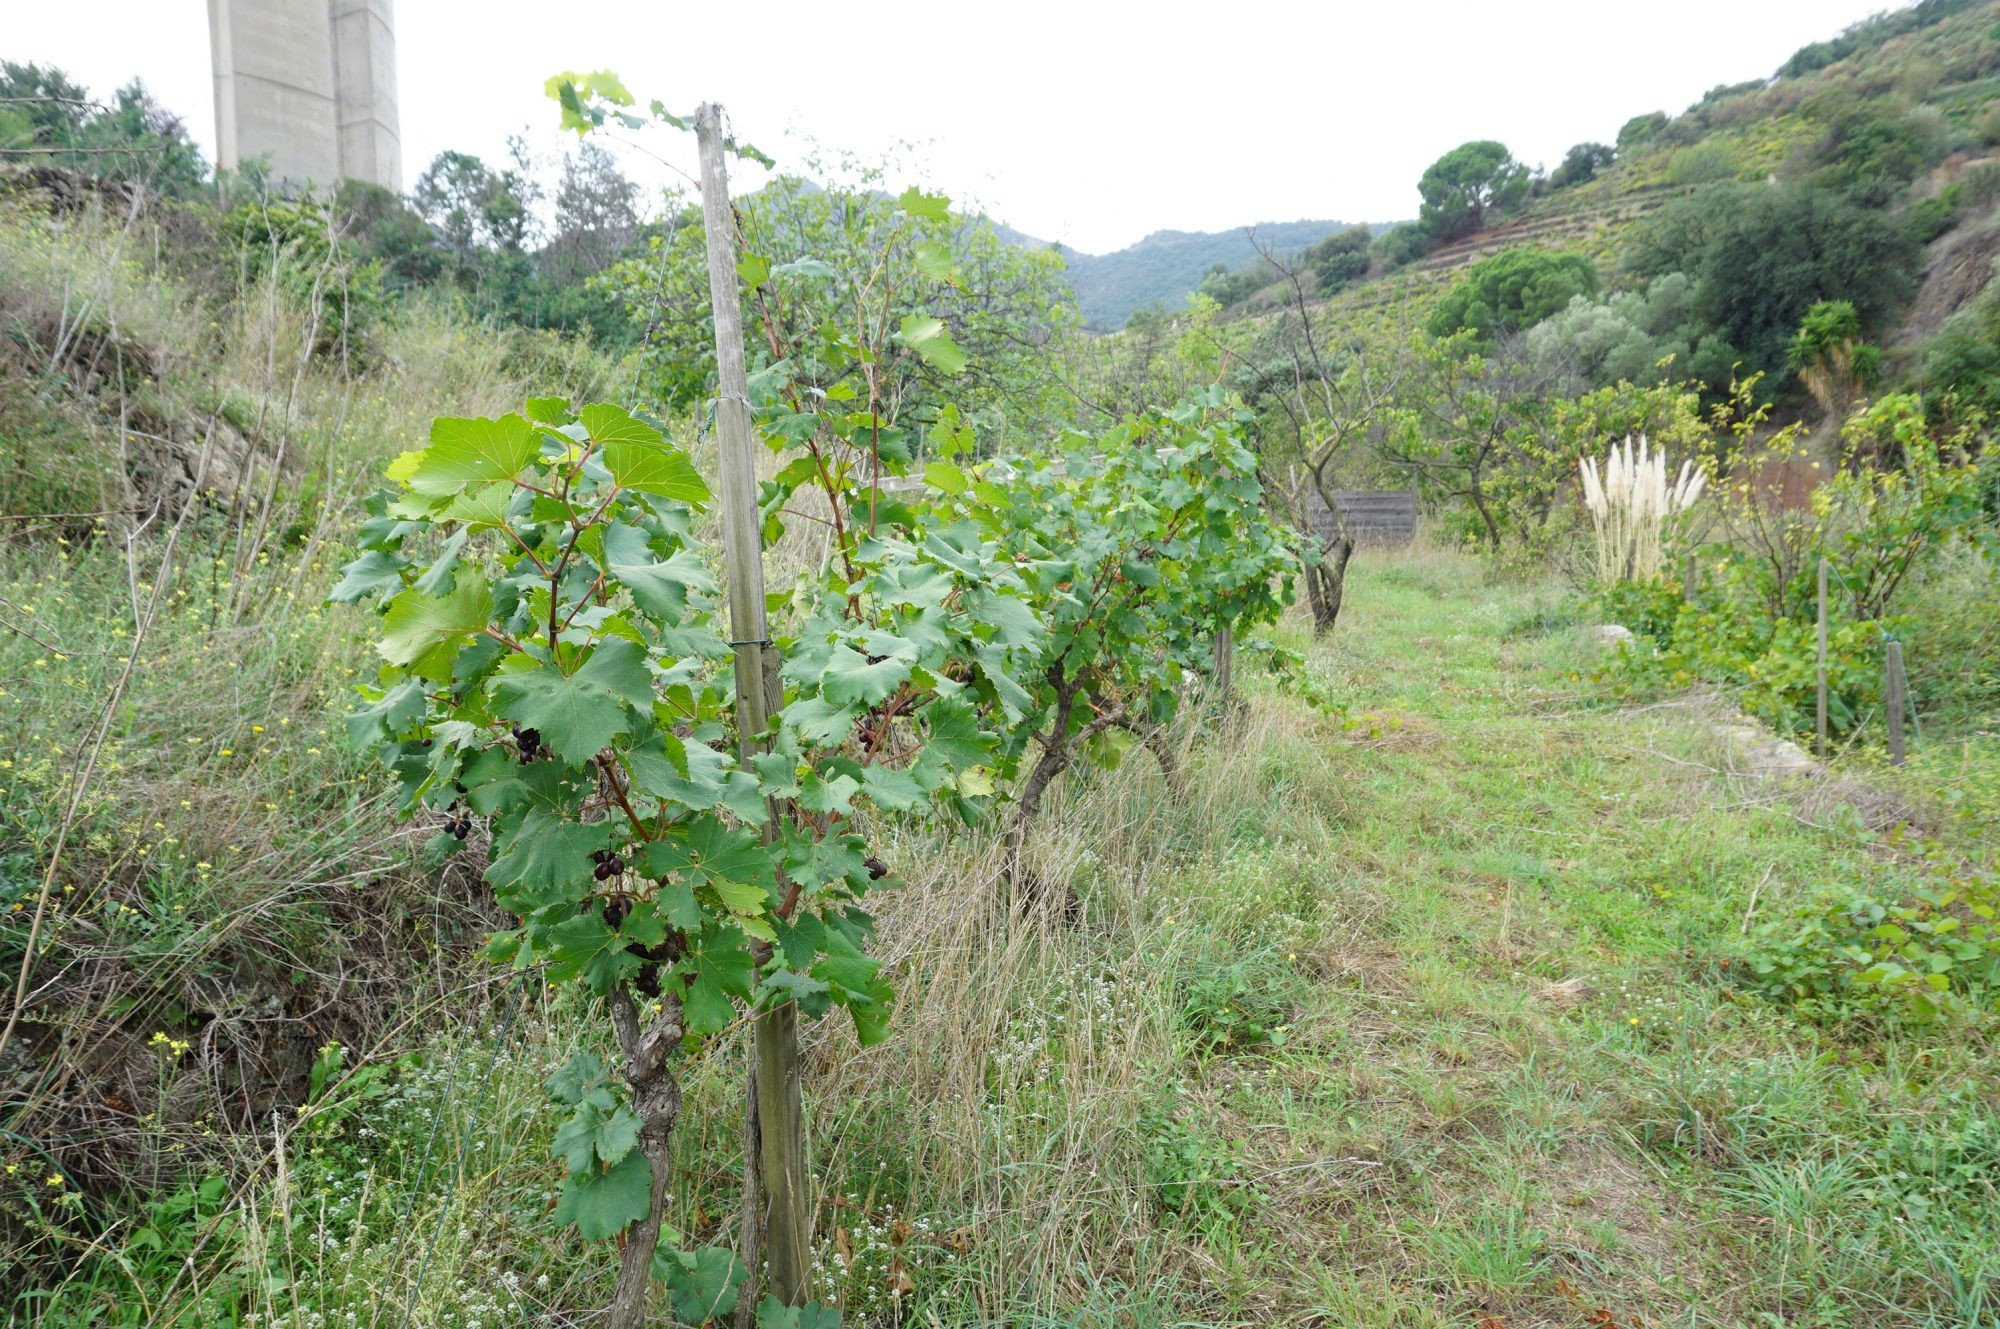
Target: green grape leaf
[
  {"x": 892, "y": 789},
  {"x": 933, "y": 259},
  {"x": 713, "y": 854},
  {"x": 929, "y": 207},
  {"x": 582, "y": 945},
  {"x": 481, "y": 506},
  {"x": 659, "y": 586},
  {"x": 382, "y": 720},
  {"x": 829, "y": 793},
  {"x": 851, "y": 678},
  {"x": 546, "y": 860},
  {"x": 943, "y": 475},
  {"x": 931, "y": 340},
  {"x": 591, "y": 1135},
  {"x": 606, "y": 1204},
  {"x": 374, "y": 573},
  {"x": 438, "y": 577},
  {"x": 703, "y": 1284},
  {"x": 706, "y": 1004},
  {"x": 719, "y": 971},
  {"x": 656, "y": 468},
  {"x": 423, "y": 632},
  {"x": 952, "y": 742},
  {"x": 775, "y": 1314},
  {"x": 569, "y": 1085},
  {"x": 579, "y": 714},
  {"x": 608, "y": 424},
  {"x": 468, "y": 451},
  {"x": 818, "y": 721}
]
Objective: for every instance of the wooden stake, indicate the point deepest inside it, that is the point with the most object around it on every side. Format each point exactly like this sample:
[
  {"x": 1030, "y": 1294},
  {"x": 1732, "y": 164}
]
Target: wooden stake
[
  {"x": 1820, "y": 729},
  {"x": 1225, "y": 659},
  {"x": 780, "y": 1117},
  {"x": 1897, "y": 687}
]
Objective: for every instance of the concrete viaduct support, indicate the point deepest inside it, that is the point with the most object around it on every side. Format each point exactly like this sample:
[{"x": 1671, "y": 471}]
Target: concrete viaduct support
[{"x": 309, "y": 85}]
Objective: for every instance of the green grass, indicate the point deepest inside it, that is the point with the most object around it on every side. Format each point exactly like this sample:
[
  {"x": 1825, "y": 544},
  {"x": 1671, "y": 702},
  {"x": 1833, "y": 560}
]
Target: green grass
[{"x": 1418, "y": 1019}]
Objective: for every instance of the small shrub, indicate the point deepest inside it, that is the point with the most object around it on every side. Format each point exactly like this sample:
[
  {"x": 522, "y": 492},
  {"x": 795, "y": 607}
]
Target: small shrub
[
  {"x": 1700, "y": 163},
  {"x": 1190, "y": 1174},
  {"x": 1229, "y": 1010},
  {"x": 1901, "y": 956}
]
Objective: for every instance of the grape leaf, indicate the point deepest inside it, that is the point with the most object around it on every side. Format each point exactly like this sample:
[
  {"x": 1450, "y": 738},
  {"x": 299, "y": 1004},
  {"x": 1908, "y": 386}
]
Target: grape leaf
[
  {"x": 569, "y": 1085},
  {"x": 659, "y": 586},
  {"x": 717, "y": 972},
  {"x": 931, "y": 340},
  {"x": 656, "y": 468},
  {"x": 715, "y": 855},
  {"x": 818, "y": 721},
  {"x": 546, "y": 860},
  {"x": 850, "y": 677},
  {"x": 578, "y": 714},
  {"x": 608, "y": 1203},
  {"x": 382, "y": 720},
  {"x": 373, "y": 573},
  {"x": 703, "y": 1284},
  {"x": 592, "y": 1135},
  {"x": 423, "y": 632},
  {"x": 465, "y": 451},
  {"x": 930, "y": 207},
  {"x": 607, "y": 424}
]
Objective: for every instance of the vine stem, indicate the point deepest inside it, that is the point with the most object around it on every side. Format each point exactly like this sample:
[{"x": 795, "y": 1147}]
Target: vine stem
[{"x": 656, "y": 1099}]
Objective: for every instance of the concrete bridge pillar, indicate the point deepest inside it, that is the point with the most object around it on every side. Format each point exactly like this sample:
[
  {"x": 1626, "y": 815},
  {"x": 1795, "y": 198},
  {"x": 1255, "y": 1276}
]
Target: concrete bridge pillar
[{"x": 309, "y": 85}]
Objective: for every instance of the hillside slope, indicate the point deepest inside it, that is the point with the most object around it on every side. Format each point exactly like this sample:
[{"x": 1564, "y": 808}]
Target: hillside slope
[{"x": 1923, "y": 78}]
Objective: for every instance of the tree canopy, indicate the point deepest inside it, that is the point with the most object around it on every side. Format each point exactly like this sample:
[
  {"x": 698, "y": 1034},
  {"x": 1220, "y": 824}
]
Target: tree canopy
[{"x": 1460, "y": 187}]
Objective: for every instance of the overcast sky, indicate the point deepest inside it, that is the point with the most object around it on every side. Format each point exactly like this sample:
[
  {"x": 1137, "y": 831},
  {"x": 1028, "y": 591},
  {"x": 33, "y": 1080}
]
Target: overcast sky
[{"x": 1088, "y": 123}]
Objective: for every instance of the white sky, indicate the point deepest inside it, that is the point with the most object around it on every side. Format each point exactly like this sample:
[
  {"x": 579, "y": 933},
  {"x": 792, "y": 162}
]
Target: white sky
[{"x": 1083, "y": 122}]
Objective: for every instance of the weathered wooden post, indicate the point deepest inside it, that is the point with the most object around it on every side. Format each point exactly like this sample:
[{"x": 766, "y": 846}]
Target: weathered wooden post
[
  {"x": 1225, "y": 659},
  {"x": 1820, "y": 728},
  {"x": 1896, "y": 687},
  {"x": 787, "y": 1236}
]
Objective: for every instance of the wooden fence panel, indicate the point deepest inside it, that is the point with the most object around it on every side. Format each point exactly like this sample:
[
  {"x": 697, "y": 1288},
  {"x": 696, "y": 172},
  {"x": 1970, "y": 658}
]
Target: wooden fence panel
[{"x": 1374, "y": 516}]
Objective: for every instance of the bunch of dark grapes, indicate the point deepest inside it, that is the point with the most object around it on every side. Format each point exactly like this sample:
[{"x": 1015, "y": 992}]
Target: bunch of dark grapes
[
  {"x": 609, "y": 865},
  {"x": 529, "y": 741}
]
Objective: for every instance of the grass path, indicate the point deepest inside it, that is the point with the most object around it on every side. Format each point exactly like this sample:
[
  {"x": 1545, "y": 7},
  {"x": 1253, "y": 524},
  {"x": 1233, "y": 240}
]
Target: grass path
[{"x": 1476, "y": 1048}]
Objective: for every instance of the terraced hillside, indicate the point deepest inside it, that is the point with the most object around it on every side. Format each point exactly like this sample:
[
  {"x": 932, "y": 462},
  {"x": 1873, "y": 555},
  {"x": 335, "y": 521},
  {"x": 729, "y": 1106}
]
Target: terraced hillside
[{"x": 1934, "y": 70}]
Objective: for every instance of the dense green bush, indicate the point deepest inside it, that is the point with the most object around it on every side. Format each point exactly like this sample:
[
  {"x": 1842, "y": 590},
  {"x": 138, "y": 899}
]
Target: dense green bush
[
  {"x": 1340, "y": 258},
  {"x": 1400, "y": 244},
  {"x": 1700, "y": 163},
  {"x": 1581, "y": 163},
  {"x": 1644, "y": 337},
  {"x": 1501, "y": 295},
  {"x": 1641, "y": 129},
  {"x": 1899, "y": 954},
  {"x": 1962, "y": 362},
  {"x": 1761, "y": 257}
]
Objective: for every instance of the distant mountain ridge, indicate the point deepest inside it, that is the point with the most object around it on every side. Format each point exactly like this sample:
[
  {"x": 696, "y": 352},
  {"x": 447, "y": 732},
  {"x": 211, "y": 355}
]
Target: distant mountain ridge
[{"x": 1166, "y": 266}]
